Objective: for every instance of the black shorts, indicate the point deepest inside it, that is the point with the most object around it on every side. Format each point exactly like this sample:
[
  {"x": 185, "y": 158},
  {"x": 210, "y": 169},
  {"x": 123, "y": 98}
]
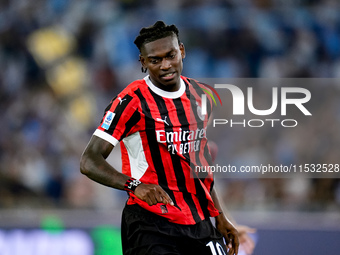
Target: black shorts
[{"x": 144, "y": 233}]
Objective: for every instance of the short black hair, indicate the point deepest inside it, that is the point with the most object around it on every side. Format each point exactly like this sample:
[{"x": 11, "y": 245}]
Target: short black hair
[{"x": 156, "y": 31}]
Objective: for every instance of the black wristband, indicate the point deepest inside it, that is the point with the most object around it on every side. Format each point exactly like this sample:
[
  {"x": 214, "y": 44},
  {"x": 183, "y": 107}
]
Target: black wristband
[{"x": 131, "y": 184}]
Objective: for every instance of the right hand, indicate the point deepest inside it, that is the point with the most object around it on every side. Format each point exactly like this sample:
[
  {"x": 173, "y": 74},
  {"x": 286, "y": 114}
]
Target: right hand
[{"x": 152, "y": 194}]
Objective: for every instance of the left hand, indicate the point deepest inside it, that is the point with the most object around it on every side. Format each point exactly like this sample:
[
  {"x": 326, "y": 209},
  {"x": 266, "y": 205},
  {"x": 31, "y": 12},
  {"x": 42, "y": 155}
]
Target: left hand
[{"x": 229, "y": 232}]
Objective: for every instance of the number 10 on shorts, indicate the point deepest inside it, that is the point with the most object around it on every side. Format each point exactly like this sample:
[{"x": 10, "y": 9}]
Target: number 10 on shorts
[{"x": 216, "y": 249}]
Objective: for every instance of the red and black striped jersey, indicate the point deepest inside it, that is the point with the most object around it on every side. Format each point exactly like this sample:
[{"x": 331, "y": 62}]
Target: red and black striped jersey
[{"x": 163, "y": 138}]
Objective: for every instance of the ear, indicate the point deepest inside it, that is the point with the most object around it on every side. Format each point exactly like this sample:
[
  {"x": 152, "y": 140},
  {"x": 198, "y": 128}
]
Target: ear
[
  {"x": 182, "y": 49},
  {"x": 142, "y": 60}
]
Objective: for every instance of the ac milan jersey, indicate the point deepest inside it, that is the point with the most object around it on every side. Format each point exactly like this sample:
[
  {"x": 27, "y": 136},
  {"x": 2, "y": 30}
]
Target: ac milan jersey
[{"x": 163, "y": 137}]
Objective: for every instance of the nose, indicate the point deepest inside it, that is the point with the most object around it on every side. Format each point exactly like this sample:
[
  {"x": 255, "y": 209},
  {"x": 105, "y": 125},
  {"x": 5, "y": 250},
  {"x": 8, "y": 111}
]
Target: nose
[{"x": 165, "y": 64}]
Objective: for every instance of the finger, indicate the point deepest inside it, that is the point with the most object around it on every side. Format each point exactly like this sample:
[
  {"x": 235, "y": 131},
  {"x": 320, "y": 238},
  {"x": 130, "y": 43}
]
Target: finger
[
  {"x": 227, "y": 240},
  {"x": 158, "y": 195},
  {"x": 235, "y": 245},
  {"x": 153, "y": 198},
  {"x": 236, "y": 250},
  {"x": 231, "y": 250},
  {"x": 163, "y": 196},
  {"x": 166, "y": 198},
  {"x": 230, "y": 247}
]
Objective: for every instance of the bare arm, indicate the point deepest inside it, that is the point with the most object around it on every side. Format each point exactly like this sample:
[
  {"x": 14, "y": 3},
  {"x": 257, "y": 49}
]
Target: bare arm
[{"x": 93, "y": 164}]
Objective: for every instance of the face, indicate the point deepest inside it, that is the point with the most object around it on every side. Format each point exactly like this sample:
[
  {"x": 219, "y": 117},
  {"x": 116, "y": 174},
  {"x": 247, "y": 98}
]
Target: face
[{"x": 163, "y": 59}]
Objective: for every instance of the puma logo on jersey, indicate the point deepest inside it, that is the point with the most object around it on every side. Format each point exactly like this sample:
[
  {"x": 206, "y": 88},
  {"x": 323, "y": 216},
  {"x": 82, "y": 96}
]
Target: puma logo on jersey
[
  {"x": 159, "y": 119},
  {"x": 121, "y": 100}
]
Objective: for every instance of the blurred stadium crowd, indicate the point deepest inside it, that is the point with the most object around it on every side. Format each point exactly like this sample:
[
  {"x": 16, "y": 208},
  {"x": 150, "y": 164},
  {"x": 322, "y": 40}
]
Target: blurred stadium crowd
[{"x": 61, "y": 61}]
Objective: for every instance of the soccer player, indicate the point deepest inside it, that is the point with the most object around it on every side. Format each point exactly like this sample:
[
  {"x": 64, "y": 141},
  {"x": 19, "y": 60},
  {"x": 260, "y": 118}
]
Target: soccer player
[{"x": 161, "y": 129}]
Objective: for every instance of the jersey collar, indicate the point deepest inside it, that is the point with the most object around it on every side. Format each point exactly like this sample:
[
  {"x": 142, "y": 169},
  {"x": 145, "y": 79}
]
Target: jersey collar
[{"x": 163, "y": 93}]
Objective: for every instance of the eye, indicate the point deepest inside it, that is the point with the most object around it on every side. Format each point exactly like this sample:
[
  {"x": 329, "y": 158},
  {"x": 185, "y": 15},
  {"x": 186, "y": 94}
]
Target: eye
[
  {"x": 172, "y": 56},
  {"x": 154, "y": 61}
]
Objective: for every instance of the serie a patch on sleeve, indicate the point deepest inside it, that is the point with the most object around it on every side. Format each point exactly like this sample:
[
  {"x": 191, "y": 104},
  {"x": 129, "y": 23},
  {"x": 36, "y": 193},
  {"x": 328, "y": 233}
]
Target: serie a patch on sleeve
[{"x": 108, "y": 120}]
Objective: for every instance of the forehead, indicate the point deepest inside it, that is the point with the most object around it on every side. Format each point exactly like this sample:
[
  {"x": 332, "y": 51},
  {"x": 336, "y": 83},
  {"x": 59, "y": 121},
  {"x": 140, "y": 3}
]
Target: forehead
[{"x": 160, "y": 46}]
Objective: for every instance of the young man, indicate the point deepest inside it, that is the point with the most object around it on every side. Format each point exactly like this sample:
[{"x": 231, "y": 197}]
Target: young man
[{"x": 162, "y": 132}]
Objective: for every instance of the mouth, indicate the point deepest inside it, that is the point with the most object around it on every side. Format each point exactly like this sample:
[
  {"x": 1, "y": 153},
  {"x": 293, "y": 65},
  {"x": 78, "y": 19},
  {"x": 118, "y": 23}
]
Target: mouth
[{"x": 168, "y": 76}]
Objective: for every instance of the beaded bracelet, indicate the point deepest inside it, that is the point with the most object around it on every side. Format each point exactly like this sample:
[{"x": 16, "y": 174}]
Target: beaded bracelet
[{"x": 131, "y": 184}]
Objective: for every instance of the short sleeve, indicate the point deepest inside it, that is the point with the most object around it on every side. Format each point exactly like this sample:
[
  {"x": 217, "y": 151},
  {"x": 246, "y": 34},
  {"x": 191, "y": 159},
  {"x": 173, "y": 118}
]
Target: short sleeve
[{"x": 120, "y": 119}]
